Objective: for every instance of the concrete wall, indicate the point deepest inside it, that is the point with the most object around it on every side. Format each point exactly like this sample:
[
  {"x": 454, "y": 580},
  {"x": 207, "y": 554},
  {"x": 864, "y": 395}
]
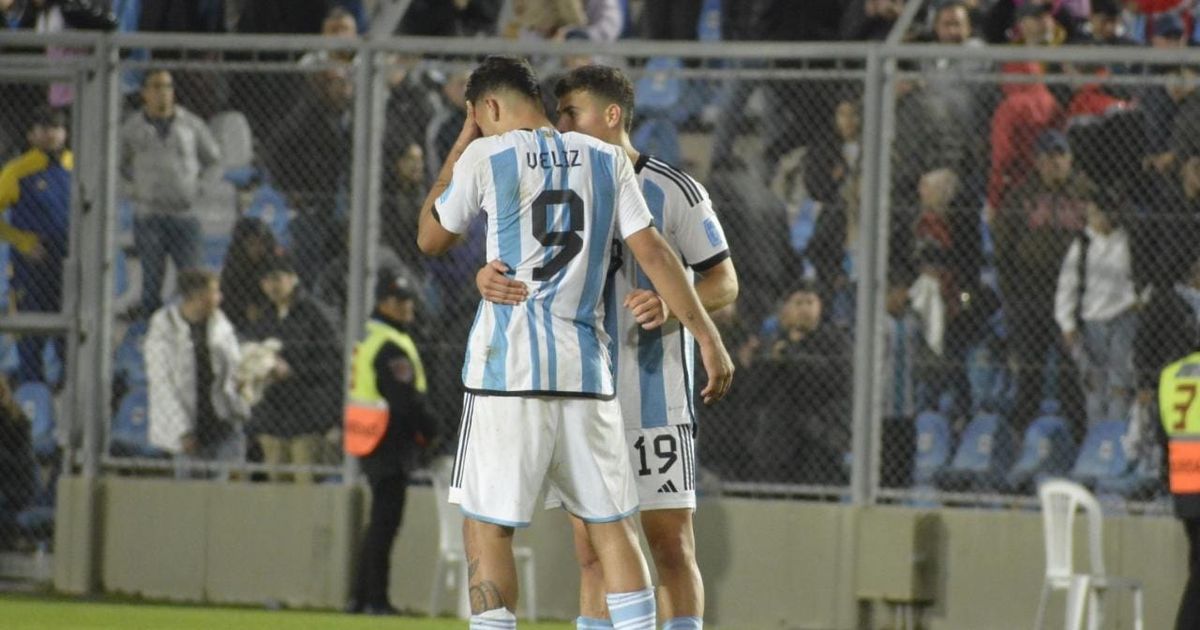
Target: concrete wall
[{"x": 767, "y": 564}]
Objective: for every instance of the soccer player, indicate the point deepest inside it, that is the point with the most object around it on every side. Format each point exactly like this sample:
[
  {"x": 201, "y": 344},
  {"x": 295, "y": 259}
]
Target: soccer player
[
  {"x": 654, "y": 364},
  {"x": 540, "y": 409}
]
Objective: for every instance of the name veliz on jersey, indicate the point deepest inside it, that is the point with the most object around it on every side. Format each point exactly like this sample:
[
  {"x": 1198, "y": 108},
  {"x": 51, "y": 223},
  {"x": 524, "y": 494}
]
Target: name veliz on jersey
[{"x": 553, "y": 159}]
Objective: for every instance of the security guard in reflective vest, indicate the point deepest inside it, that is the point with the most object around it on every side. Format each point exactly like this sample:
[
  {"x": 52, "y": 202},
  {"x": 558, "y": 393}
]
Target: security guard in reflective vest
[
  {"x": 386, "y": 425},
  {"x": 1179, "y": 409}
]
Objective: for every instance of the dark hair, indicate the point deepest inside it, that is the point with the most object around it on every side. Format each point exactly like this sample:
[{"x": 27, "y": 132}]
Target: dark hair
[
  {"x": 194, "y": 280},
  {"x": 151, "y": 72},
  {"x": 503, "y": 73},
  {"x": 606, "y": 83}
]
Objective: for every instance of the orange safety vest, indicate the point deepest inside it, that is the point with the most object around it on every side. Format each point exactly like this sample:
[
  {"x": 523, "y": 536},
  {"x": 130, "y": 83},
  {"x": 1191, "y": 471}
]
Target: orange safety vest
[
  {"x": 366, "y": 414},
  {"x": 1178, "y": 390}
]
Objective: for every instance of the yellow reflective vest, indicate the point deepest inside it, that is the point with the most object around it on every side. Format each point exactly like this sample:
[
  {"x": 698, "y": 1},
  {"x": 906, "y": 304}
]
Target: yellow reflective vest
[{"x": 366, "y": 414}]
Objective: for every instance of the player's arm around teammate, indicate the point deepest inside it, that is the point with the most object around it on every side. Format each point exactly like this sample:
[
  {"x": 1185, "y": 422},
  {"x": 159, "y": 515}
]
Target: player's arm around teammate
[{"x": 598, "y": 101}]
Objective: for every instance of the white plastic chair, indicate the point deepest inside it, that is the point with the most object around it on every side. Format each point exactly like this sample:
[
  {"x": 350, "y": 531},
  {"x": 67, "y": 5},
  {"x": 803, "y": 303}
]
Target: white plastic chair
[
  {"x": 1060, "y": 499},
  {"x": 451, "y": 565}
]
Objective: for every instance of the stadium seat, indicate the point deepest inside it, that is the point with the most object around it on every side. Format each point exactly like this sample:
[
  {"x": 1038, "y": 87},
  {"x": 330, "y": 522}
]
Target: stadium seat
[
  {"x": 36, "y": 401},
  {"x": 1060, "y": 499},
  {"x": 270, "y": 206},
  {"x": 659, "y": 137},
  {"x": 984, "y": 456},
  {"x": 934, "y": 444},
  {"x": 451, "y": 555},
  {"x": 1101, "y": 455},
  {"x": 130, "y": 431},
  {"x": 125, "y": 214},
  {"x": 129, "y": 362},
  {"x": 1046, "y": 450},
  {"x": 659, "y": 90}
]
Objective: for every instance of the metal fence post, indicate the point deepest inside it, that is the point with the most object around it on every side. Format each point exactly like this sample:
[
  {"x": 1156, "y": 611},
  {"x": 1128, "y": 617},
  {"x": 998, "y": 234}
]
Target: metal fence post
[
  {"x": 364, "y": 213},
  {"x": 864, "y": 443}
]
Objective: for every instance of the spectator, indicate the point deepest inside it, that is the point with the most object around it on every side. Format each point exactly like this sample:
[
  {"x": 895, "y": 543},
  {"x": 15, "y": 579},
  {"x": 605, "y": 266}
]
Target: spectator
[
  {"x": 251, "y": 248},
  {"x": 928, "y": 136},
  {"x": 596, "y": 20},
  {"x": 18, "y": 468},
  {"x": 192, "y": 356},
  {"x": 1169, "y": 32},
  {"x": 338, "y": 24},
  {"x": 404, "y": 191},
  {"x": 1026, "y": 110},
  {"x": 1104, "y": 24},
  {"x": 1165, "y": 237},
  {"x": 1167, "y": 126},
  {"x": 800, "y": 371},
  {"x": 164, "y": 148},
  {"x": 56, "y": 16},
  {"x": 832, "y": 250},
  {"x": 1095, "y": 308},
  {"x": 1168, "y": 329},
  {"x": 949, "y": 98},
  {"x": 411, "y": 104},
  {"x": 388, "y": 372},
  {"x": 459, "y": 18},
  {"x": 939, "y": 243},
  {"x": 308, "y": 157},
  {"x": 870, "y": 20},
  {"x": 904, "y": 351},
  {"x": 296, "y": 411},
  {"x": 35, "y": 189},
  {"x": 1032, "y": 233},
  {"x": 1035, "y": 25},
  {"x": 444, "y": 127}
]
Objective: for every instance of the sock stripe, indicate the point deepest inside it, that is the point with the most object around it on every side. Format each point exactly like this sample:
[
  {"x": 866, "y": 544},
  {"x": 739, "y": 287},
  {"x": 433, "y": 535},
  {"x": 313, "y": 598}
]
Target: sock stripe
[
  {"x": 632, "y": 611},
  {"x": 684, "y": 623},
  {"x": 592, "y": 623}
]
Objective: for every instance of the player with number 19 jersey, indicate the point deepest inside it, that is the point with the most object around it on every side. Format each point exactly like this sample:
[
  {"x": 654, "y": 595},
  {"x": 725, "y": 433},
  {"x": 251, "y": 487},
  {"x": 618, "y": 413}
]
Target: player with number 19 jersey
[
  {"x": 655, "y": 368},
  {"x": 556, "y": 241}
]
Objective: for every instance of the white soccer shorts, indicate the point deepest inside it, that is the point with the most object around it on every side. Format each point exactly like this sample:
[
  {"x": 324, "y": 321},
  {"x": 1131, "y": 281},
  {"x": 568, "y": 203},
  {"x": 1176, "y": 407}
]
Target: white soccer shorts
[
  {"x": 512, "y": 449},
  {"x": 663, "y": 460}
]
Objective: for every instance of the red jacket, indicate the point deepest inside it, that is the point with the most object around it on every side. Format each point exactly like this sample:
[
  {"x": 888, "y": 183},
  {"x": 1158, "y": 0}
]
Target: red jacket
[{"x": 1027, "y": 110}]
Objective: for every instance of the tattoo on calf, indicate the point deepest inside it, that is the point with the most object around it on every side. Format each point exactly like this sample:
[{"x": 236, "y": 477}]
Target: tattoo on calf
[{"x": 485, "y": 596}]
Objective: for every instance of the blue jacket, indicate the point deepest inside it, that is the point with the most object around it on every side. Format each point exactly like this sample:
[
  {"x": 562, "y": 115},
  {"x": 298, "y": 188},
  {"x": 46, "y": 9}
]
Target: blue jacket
[{"x": 35, "y": 188}]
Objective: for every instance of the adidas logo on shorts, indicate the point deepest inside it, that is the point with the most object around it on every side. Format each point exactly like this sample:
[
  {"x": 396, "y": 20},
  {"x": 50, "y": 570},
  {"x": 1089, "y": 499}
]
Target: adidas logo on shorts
[{"x": 668, "y": 487}]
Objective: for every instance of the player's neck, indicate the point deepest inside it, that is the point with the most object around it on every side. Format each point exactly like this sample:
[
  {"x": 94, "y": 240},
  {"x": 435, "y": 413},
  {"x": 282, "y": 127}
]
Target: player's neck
[
  {"x": 531, "y": 120},
  {"x": 626, "y": 144}
]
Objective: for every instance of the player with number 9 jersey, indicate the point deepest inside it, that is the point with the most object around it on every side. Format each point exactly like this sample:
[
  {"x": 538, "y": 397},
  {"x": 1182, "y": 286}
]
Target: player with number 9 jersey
[{"x": 556, "y": 241}]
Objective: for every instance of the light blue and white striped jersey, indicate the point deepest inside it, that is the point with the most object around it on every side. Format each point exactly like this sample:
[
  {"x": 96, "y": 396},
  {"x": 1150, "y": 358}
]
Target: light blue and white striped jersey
[
  {"x": 656, "y": 368},
  {"x": 554, "y": 203}
]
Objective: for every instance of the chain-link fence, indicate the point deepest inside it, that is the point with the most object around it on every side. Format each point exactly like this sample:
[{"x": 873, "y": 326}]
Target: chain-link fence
[
  {"x": 1033, "y": 218},
  {"x": 35, "y": 208},
  {"x": 1041, "y": 224}
]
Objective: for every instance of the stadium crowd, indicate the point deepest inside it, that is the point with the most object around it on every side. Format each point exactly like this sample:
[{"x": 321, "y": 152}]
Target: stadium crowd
[{"x": 1042, "y": 232}]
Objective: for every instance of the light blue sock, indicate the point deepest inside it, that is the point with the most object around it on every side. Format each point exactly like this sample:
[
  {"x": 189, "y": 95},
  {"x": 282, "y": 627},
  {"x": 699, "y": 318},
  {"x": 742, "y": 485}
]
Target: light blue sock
[
  {"x": 592, "y": 623},
  {"x": 684, "y": 623},
  {"x": 494, "y": 619},
  {"x": 632, "y": 611}
]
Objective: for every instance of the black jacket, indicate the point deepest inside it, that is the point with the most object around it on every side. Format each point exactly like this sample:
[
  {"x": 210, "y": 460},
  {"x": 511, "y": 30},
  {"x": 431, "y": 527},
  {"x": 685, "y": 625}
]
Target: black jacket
[
  {"x": 410, "y": 424},
  {"x": 309, "y": 399}
]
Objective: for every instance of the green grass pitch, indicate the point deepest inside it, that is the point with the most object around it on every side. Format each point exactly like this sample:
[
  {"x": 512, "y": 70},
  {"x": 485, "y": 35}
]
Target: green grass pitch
[{"x": 21, "y": 612}]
